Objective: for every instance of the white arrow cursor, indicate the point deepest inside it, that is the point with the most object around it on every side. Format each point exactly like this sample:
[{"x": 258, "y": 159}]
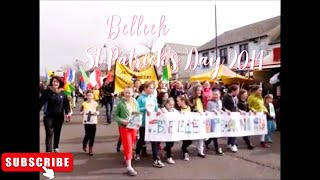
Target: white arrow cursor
[{"x": 49, "y": 173}]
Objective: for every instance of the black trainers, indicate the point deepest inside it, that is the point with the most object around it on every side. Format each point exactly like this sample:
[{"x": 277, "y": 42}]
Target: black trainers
[
  {"x": 219, "y": 152},
  {"x": 251, "y": 147},
  {"x": 137, "y": 157},
  {"x": 201, "y": 155},
  {"x": 158, "y": 164}
]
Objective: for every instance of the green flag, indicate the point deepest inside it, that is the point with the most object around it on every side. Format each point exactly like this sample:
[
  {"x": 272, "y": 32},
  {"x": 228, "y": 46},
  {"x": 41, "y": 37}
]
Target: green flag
[
  {"x": 84, "y": 75},
  {"x": 166, "y": 73},
  {"x": 68, "y": 89}
]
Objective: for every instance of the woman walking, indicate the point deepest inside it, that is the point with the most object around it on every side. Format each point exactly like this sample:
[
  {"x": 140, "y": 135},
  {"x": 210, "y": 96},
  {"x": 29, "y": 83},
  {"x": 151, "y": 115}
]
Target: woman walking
[
  {"x": 256, "y": 104},
  {"x": 57, "y": 106}
]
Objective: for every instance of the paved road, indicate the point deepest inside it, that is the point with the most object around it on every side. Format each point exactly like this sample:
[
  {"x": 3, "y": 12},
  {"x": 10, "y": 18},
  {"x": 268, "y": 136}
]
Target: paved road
[{"x": 108, "y": 164}]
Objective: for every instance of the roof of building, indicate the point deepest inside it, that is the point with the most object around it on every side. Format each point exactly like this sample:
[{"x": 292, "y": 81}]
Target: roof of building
[
  {"x": 180, "y": 48},
  {"x": 274, "y": 35},
  {"x": 248, "y": 32}
]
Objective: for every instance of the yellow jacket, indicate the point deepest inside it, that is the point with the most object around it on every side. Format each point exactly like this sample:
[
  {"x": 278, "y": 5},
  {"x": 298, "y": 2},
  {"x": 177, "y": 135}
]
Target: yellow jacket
[{"x": 256, "y": 103}]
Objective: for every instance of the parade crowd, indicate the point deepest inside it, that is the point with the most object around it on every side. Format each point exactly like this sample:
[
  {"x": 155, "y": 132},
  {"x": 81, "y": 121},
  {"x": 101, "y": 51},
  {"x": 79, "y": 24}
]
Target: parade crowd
[{"x": 167, "y": 97}]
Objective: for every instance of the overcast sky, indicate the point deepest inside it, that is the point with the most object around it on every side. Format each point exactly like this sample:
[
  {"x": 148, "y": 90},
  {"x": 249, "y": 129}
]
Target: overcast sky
[{"x": 68, "y": 28}]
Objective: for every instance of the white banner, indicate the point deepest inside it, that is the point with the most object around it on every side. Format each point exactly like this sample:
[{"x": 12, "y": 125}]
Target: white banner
[{"x": 191, "y": 126}]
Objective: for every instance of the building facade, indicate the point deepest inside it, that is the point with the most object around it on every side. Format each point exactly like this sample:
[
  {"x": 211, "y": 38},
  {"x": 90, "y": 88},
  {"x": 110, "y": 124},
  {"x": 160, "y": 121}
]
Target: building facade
[{"x": 259, "y": 36}]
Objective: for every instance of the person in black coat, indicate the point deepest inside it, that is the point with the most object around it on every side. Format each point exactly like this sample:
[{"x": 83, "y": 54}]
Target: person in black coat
[
  {"x": 243, "y": 106},
  {"x": 230, "y": 103},
  {"x": 107, "y": 93},
  {"x": 57, "y": 106},
  {"x": 177, "y": 91}
]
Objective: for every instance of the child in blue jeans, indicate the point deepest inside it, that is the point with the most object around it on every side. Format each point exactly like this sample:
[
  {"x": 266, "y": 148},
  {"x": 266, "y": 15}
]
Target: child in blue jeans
[{"x": 271, "y": 116}]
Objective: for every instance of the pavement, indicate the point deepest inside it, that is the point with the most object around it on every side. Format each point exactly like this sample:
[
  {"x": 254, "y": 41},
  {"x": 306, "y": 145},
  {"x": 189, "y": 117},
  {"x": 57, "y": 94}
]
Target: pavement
[{"x": 106, "y": 163}]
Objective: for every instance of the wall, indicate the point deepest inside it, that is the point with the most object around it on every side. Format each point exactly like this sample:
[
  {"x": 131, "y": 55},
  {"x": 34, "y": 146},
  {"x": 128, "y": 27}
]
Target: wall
[{"x": 179, "y": 72}]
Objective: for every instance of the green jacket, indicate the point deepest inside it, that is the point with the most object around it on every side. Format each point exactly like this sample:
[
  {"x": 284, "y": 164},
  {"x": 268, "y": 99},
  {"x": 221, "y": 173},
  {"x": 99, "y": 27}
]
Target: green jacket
[
  {"x": 256, "y": 103},
  {"x": 122, "y": 112}
]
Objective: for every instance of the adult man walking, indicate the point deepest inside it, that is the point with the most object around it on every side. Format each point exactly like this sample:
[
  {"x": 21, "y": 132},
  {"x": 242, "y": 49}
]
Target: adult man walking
[{"x": 107, "y": 94}]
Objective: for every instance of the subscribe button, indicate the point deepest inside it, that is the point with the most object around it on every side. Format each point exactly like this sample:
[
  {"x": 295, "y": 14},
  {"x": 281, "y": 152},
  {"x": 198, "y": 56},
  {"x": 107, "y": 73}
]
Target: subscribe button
[{"x": 34, "y": 162}]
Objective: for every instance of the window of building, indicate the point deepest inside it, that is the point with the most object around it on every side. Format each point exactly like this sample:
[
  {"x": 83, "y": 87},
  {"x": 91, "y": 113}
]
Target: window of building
[
  {"x": 171, "y": 64},
  {"x": 224, "y": 55},
  {"x": 206, "y": 61},
  {"x": 244, "y": 47}
]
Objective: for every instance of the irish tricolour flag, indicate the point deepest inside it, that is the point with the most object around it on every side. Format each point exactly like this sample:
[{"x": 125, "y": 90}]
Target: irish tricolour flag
[{"x": 95, "y": 78}]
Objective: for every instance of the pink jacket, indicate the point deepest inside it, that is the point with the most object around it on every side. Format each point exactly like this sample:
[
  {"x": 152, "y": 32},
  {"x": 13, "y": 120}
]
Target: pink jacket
[{"x": 207, "y": 95}]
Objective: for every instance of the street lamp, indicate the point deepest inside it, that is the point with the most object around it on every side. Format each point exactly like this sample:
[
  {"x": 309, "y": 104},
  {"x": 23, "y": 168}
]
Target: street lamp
[
  {"x": 78, "y": 64},
  {"x": 76, "y": 77},
  {"x": 105, "y": 46}
]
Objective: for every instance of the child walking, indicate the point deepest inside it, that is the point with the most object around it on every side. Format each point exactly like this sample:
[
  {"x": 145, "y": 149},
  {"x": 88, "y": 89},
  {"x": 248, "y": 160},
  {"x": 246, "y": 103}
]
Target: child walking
[
  {"x": 89, "y": 109},
  {"x": 271, "y": 116},
  {"x": 196, "y": 101},
  {"x": 169, "y": 107},
  {"x": 183, "y": 104},
  {"x": 146, "y": 101},
  {"x": 123, "y": 111},
  {"x": 214, "y": 105}
]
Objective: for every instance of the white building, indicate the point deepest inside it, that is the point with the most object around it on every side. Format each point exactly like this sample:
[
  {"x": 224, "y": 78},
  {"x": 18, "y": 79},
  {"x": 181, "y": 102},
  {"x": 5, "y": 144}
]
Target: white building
[
  {"x": 251, "y": 37},
  {"x": 181, "y": 52}
]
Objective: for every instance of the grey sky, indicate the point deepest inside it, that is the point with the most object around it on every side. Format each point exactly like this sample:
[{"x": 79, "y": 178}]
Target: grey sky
[{"x": 68, "y": 28}]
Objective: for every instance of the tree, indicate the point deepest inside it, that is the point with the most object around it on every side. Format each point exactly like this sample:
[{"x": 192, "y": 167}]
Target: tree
[
  {"x": 152, "y": 46},
  {"x": 149, "y": 44}
]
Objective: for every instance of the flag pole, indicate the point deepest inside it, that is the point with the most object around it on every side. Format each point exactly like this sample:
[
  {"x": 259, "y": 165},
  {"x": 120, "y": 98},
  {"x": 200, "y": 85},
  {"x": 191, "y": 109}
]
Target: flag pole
[{"x": 215, "y": 24}]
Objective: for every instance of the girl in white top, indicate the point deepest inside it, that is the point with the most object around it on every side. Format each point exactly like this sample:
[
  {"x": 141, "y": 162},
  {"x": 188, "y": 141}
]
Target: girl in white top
[
  {"x": 89, "y": 109},
  {"x": 214, "y": 105},
  {"x": 271, "y": 117},
  {"x": 169, "y": 107}
]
